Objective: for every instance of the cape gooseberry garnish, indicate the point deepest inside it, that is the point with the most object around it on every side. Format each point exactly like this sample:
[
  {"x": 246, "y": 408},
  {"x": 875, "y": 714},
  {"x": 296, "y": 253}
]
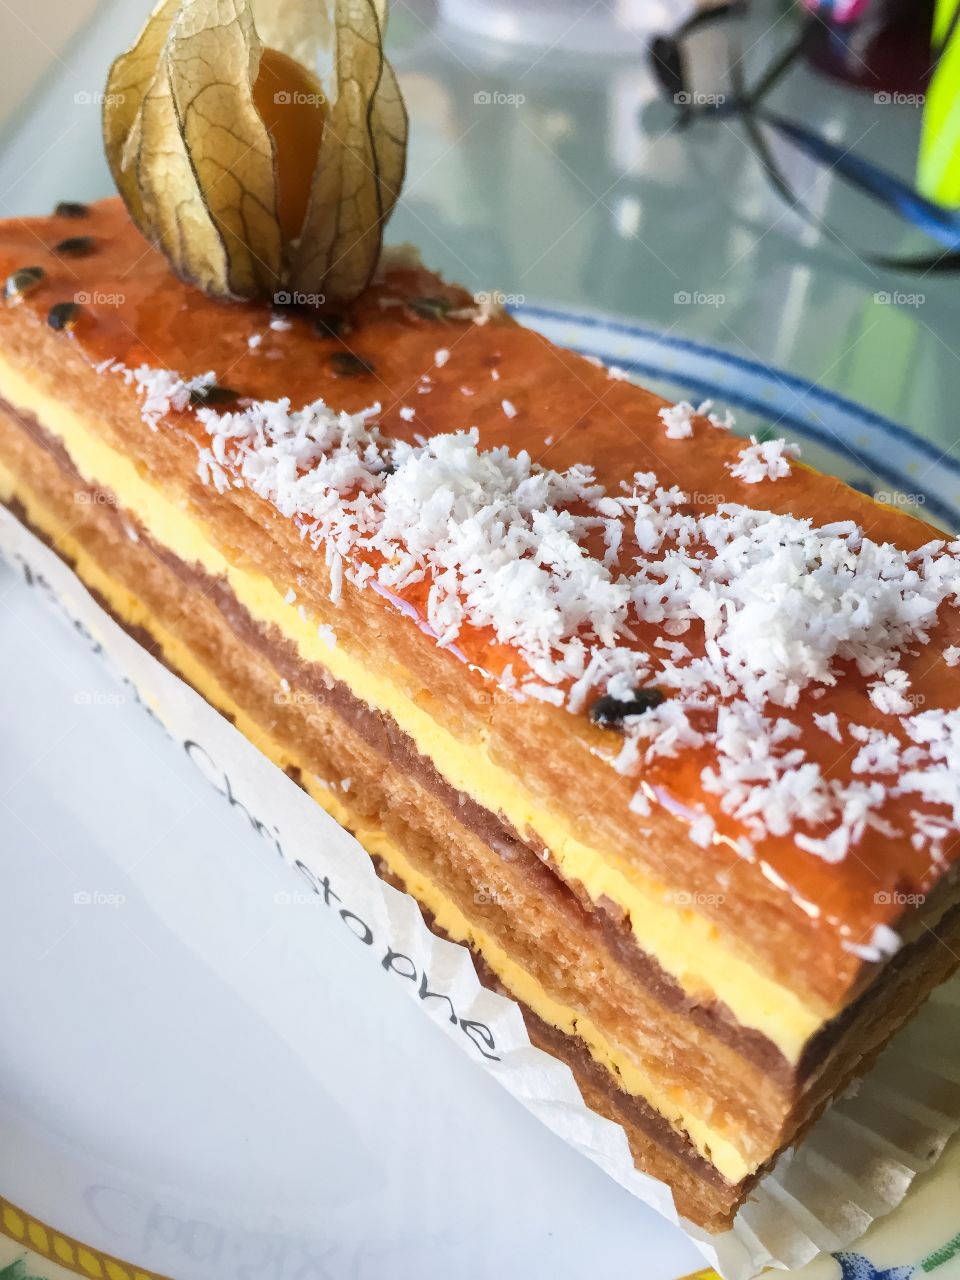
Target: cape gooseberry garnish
[
  {"x": 610, "y": 712},
  {"x": 75, "y": 247},
  {"x": 63, "y": 315},
  {"x": 23, "y": 281},
  {"x": 249, "y": 171},
  {"x": 71, "y": 209}
]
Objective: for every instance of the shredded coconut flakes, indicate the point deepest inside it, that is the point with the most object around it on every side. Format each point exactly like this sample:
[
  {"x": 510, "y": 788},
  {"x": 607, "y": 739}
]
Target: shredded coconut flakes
[
  {"x": 678, "y": 419},
  {"x": 884, "y": 942},
  {"x": 767, "y": 605},
  {"x": 769, "y": 460}
]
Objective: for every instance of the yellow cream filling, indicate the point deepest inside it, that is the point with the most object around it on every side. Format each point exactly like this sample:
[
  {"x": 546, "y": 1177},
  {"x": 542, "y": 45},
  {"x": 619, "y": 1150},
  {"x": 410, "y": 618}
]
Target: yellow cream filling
[
  {"x": 715, "y": 1147},
  {"x": 685, "y": 943}
]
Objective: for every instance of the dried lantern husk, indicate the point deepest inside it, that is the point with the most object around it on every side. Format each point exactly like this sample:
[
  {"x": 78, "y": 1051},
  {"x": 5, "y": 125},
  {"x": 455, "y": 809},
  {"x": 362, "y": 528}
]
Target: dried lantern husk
[{"x": 201, "y": 172}]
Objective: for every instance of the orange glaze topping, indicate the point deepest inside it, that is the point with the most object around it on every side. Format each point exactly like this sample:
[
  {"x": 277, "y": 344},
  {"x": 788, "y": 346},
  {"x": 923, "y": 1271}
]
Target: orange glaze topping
[{"x": 567, "y": 412}]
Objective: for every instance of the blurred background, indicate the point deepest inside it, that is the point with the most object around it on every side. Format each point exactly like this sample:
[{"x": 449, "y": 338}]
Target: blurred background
[{"x": 594, "y": 153}]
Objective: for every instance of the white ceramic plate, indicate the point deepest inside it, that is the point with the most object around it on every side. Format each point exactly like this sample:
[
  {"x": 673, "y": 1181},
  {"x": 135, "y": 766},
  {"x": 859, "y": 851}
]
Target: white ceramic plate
[{"x": 195, "y": 1075}]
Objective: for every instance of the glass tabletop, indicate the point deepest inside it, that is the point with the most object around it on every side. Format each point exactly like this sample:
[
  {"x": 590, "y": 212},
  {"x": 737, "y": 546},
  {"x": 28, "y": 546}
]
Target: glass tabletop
[{"x": 558, "y": 176}]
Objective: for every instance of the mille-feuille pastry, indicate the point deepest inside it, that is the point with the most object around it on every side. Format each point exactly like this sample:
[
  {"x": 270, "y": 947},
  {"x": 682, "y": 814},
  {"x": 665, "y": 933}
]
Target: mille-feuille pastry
[{"x": 659, "y": 723}]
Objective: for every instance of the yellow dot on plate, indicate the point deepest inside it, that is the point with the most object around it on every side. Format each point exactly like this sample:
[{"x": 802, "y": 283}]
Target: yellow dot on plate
[
  {"x": 38, "y": 1237},
  {"x": 13, "y": 1222},
  {"x": 89, "y": 1263},
  {"x": 115, "y": 1271},
  {"x": 64, "y": 1250}
]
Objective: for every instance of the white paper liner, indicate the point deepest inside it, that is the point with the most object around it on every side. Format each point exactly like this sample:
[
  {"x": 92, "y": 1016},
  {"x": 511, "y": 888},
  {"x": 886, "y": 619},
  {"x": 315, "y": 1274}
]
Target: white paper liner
[{"x": 856, "y": 1164}]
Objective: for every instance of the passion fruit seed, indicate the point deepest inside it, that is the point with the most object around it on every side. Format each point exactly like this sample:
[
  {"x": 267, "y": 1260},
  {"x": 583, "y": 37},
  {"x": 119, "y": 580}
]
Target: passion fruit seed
[
  {"x": 609, "y": 712},
  {"x": 75, "y": 247},
  {"x": 23, "y": 281},
  {"x": 214, "y": 394},
  {"x": 71, "y": 209},
  {"x": 63, "y": 315},
  {"x": 331, "y": 326},
  {"x": 432, "y": 308},
  {"x": 348, "y": 365}
]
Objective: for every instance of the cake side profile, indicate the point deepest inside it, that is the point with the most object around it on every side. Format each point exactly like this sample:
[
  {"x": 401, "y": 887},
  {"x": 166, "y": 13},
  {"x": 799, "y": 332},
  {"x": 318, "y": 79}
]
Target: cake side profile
[{"x": 658, "y": 722}]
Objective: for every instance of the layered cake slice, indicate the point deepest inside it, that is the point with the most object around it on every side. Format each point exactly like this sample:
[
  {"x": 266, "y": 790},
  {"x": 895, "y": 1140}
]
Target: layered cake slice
[{"x": 662, "y": 725}]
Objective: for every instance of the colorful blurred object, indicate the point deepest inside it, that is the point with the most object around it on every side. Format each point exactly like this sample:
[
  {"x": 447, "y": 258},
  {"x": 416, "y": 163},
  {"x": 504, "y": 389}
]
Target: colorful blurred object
[
  {"x": 878, "y": 45},
  {"x": 840, "y": 10},
  {"x": 889, "y": 51},
  {"x": 939, "y": 172}
]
